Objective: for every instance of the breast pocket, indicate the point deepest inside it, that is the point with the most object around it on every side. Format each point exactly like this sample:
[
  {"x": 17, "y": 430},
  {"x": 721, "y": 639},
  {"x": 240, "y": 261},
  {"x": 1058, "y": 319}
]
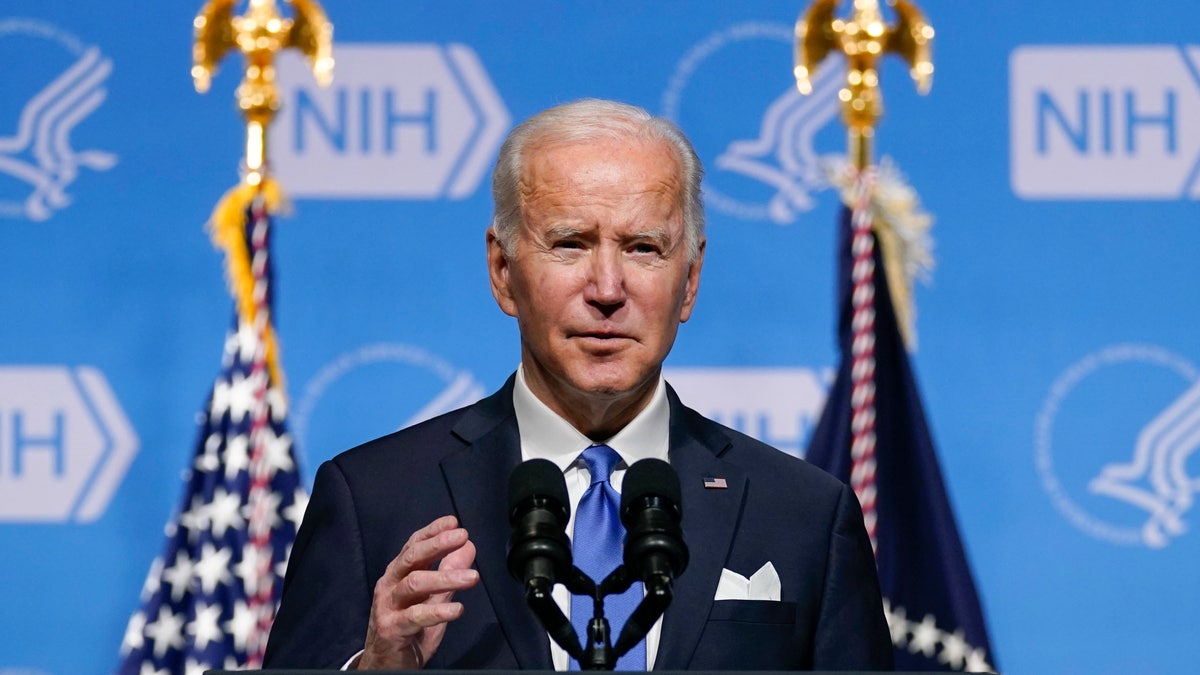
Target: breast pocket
[
  {"x": 749, "y": 635},
  {"x": 753, "y": 611}
]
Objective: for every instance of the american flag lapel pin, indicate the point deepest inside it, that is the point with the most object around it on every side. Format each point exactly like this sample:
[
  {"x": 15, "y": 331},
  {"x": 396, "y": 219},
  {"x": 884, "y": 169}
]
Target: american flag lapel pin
[{"x": 712, "y": 483}]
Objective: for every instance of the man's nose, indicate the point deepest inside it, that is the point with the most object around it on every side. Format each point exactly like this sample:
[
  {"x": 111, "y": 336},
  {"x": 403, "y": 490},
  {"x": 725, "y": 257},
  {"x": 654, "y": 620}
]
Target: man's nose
[{"x": 607, "y": 283}]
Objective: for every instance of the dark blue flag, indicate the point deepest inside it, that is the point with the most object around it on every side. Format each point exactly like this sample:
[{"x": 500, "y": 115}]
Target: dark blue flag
[
  {"x": 932, "y": 606},
  {"x": 209, "y": 599}
]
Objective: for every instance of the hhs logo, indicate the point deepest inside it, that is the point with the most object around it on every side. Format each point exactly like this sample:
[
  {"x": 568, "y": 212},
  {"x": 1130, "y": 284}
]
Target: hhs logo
[
  {"x": 1105, "y": 122},
  {"x": 759, "y": 146},
  {"x": 60, "y": 83},
  {"x": 400, "y": 121},
  {"x": 1117, "y": 444},
  {"x": 64, "y": 444},
  {"x": 778, "y": 406}
]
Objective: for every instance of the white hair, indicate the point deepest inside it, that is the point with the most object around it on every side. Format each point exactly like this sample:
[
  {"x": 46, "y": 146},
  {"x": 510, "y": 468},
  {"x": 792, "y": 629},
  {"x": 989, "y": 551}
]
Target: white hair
[{"x": 584, "y": 120}]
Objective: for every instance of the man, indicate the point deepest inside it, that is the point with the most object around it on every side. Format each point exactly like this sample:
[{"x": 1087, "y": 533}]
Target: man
[{"x": 595, "y": 248}]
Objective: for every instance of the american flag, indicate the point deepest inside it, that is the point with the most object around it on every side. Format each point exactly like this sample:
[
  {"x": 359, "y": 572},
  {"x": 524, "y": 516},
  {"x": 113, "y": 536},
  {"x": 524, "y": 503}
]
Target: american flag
[
  {"x": 884, "y": 449},
  {"x": 209, "y": 599}
]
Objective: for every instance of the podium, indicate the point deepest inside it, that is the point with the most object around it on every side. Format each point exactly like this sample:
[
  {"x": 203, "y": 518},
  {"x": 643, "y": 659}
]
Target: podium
[{"x": 289, "y": 671}]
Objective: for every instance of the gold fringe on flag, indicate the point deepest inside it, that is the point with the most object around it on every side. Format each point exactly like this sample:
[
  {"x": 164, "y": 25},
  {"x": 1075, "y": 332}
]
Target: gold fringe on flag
[{"x": 227, "y": 227}]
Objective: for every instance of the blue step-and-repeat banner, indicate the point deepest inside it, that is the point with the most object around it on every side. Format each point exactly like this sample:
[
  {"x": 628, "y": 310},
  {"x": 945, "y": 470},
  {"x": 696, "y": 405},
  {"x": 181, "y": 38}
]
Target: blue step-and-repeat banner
[{"x": 1059, "y": 357}]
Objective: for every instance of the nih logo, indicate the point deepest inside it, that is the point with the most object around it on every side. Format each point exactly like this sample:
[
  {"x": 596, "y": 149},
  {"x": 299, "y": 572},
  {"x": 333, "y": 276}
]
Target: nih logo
[
  {"x": 65, "y": 444},
  {"x": 1092, "y": 122},
  {"x": 401, "y": 121}
]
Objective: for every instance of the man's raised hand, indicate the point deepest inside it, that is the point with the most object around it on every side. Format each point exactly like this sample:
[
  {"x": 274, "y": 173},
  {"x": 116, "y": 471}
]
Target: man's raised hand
[{"x": 413, "y": 601}]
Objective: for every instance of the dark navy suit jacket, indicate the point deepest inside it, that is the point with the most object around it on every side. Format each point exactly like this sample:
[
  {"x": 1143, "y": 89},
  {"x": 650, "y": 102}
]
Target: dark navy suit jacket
[{"x": 366, "y": 503}]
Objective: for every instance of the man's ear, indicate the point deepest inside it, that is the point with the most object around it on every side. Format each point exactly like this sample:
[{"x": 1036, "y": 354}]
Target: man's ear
[
  {"x": 693, "y": 284},
  {"x": 498, "y": 274}
]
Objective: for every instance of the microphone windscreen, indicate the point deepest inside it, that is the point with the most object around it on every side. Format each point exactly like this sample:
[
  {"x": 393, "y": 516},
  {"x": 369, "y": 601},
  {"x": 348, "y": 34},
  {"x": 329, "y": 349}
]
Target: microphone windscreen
[
  {"x": 536, "y": 478},
  {"x": 649, "y": 477}
]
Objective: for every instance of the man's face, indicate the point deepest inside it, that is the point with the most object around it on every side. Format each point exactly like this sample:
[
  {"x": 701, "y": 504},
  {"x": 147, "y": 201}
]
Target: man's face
[{"x": 600, "y": 279}]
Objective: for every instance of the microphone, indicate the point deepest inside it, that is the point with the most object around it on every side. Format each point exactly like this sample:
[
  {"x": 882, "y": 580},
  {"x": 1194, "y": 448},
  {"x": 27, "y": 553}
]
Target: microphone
[
  {"x": 654, "y": 548},
  {"x": 540, "y": 551}
]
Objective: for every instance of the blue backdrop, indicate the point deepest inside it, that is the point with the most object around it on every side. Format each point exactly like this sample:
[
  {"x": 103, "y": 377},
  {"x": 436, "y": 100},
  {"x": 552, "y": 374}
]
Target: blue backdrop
[{"x": 1058, "y": 152}]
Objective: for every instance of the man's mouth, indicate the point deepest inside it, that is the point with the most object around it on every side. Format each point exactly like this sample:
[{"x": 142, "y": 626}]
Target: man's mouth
[{"x": 602, "y": 335}]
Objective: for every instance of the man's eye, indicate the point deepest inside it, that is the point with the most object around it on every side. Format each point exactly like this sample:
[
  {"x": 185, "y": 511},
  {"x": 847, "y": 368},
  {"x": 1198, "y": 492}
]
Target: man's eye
[
  {"x": 646, "y": 249},
  {"x": 568, "y": 244}
]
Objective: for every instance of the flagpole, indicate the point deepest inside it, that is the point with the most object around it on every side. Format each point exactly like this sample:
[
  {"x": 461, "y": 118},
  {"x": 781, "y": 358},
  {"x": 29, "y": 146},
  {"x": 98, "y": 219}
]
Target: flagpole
[
  {"x": 864, "y": 38},
  {"x": 241, "y": 226},
  {"x": 930, "y": 602},
  {"x": 210, "y": 598},
  {"x": 260, "y": 35}
]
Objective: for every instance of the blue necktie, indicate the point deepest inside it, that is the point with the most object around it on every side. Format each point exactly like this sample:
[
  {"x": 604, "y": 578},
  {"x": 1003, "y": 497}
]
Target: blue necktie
[{"x": 597, "y": 546}]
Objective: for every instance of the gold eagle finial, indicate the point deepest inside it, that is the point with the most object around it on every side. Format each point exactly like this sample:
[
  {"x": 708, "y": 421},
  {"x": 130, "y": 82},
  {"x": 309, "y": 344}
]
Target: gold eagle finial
[
  {"x": 260, "y": 34},
  {"x": 863, "y": 38}
]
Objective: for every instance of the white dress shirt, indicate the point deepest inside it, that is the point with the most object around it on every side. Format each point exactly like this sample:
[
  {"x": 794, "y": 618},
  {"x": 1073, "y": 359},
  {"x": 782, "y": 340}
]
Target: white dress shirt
[{"x": 545, "y": 435}]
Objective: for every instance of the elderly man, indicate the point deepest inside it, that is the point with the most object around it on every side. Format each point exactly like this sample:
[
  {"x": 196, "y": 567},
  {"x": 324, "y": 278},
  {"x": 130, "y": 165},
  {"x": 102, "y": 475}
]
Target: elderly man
[{"x": 595, "y": 248}]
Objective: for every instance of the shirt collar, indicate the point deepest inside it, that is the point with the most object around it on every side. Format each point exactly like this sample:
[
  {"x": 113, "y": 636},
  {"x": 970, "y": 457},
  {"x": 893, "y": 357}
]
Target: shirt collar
[{"x": 545, "y": 435}]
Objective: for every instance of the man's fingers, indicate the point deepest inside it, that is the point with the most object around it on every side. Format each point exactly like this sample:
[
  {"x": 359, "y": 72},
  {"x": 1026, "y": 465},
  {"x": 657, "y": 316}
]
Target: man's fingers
[
  {"x": 429, "y": 531},
  {"x": 459, "y": 559},
  {"x": 421, "y": 554},
  {"x": 457, "y": 563},
  {"x": 427, "y": 545},
  {"x": 409, "y": 622},
  {"x": 418, "y": 586},
  {"x": 427, "y": 616}
]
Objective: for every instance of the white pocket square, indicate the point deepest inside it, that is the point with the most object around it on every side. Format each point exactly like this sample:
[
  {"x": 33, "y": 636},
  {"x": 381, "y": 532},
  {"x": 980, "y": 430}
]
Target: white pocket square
[{"x": 762, "y": 585}]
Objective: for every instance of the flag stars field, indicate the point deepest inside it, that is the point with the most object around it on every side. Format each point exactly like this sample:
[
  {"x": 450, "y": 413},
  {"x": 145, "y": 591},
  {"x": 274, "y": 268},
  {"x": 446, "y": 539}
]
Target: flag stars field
[
  {"x": 213, "y": 568},
  {"x": 205, "y": 627},
  {"x": 224, "y": 512},
  {"x": 166, "y": 632},
  {"x": 198, "y": 599},
  {"x": 179, "y": 575}
]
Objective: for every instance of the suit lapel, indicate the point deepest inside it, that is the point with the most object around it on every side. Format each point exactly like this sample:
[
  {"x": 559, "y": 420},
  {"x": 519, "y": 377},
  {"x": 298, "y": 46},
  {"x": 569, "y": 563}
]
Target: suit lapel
[
  {"x": 477, "y": 479},
  {"x": 710, "y": 518}
]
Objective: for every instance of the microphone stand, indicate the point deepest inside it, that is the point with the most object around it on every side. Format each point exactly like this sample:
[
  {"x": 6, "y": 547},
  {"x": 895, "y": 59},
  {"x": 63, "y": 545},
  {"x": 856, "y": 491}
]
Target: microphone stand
[
  {"x": 538, "y": 595},
  {"x": 654, "y": 603},
  {"x": 599, "y": 653}
]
